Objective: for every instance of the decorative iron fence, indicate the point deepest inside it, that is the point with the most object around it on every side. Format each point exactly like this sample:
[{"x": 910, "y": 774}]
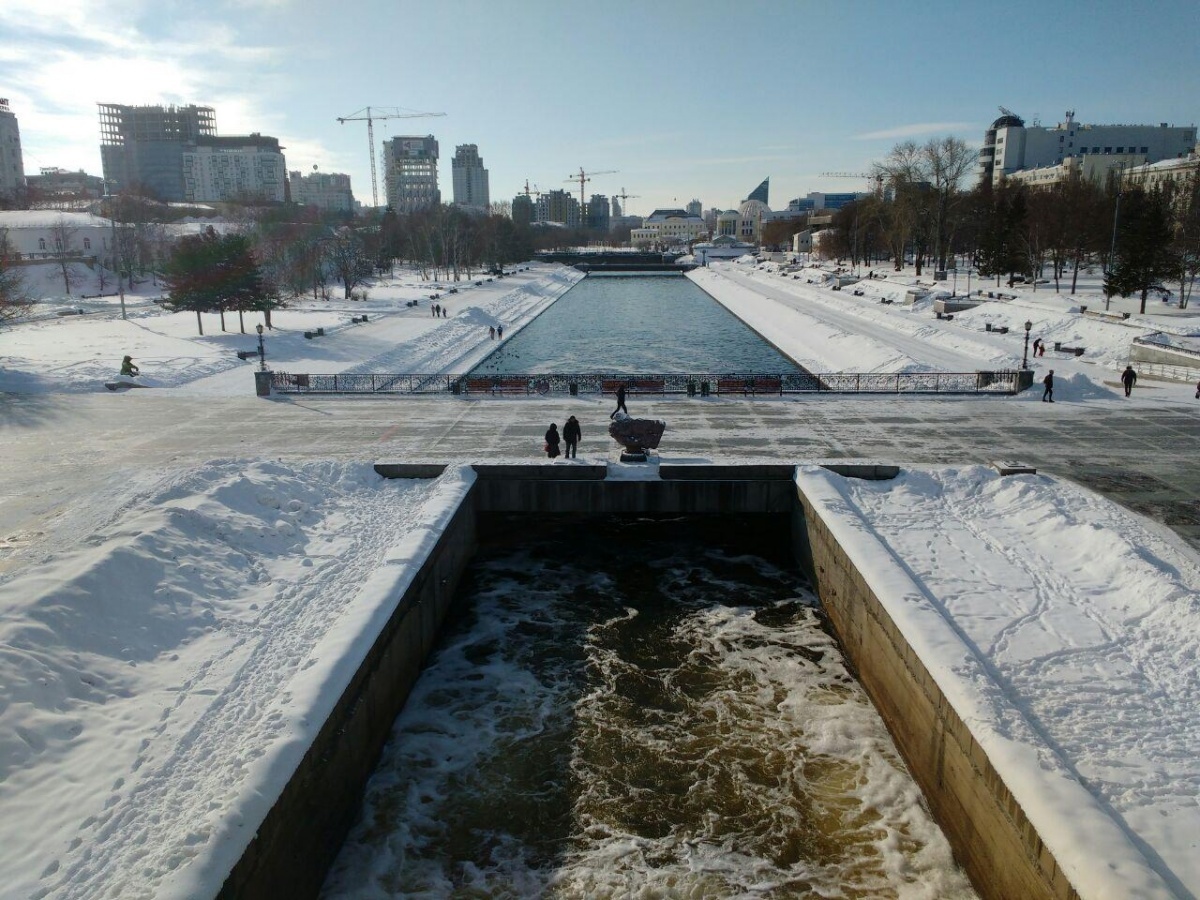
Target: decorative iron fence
[{"x": 701, "y": 385}]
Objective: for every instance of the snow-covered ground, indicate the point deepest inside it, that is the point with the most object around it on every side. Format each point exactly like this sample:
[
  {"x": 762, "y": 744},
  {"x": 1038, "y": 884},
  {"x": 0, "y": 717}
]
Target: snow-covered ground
[{"x": 160, "y": 665}]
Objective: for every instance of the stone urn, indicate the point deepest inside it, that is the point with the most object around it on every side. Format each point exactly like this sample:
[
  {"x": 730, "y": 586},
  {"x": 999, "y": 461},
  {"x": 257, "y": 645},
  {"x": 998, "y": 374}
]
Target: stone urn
[{"x": 636, "y": 435}]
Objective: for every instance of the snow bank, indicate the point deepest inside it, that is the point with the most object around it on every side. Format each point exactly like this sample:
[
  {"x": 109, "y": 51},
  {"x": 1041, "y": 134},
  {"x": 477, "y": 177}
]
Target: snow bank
[{"x": 1055, "y": 622}]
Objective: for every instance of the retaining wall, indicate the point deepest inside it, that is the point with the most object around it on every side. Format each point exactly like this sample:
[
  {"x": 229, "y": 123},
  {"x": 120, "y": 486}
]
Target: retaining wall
[
  {"x": 991, "y": 836},
  {"x": 989, "y": 832}
]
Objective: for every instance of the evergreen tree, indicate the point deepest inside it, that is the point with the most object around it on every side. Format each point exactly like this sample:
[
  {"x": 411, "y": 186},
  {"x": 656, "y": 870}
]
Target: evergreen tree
[
  {"x": 1142, "y": 255},
  {"x": 212, "y": 273}
]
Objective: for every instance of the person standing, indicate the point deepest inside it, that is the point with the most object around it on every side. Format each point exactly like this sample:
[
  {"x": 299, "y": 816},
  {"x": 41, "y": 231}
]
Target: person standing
[
  {"x": 571, "y": 434},
  {"x": 552, "y": 441},
  {"x": 499, "y": 332},
  {"x": 1048, "y": 393},
  {"x": 620, "y": 403},
  {"x": 492, "y": 332},
  {"x": 1129, "y": 379}
]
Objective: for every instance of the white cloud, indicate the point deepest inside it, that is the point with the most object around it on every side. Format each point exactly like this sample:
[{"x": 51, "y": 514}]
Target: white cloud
[{"x": 917, "y": 128}]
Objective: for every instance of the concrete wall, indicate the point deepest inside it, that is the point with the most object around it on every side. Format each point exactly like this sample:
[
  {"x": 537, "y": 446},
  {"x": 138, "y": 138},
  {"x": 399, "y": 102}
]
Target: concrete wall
[{"x": 989, "y": 832}]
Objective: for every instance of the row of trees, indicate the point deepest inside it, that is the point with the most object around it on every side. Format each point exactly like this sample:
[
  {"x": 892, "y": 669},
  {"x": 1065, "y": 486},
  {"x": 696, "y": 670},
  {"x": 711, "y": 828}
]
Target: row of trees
[{"x": 1140, "y": 237}]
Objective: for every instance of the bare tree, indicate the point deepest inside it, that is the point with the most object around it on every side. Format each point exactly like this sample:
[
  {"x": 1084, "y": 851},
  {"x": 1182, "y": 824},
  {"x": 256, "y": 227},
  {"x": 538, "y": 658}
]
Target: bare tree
[
  {"x": 349, "y": 258},
  {"x": 63, "y": 233},
  {"x": 13, "y": 300}
]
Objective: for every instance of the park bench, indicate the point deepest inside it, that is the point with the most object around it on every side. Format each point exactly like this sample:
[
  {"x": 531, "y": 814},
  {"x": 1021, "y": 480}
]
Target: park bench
[
  {"x": 860, "y": 294},
  {"x": 1077, "y": 351},
  {"x": 246, "y": 354},
  {"x": 633, "y": 385},
  {"x": 309, "y": 335},
  {"x": 354, "y": 320},
  {"x": 497, "y": 386},
  {"x": 749, "y": 385}
]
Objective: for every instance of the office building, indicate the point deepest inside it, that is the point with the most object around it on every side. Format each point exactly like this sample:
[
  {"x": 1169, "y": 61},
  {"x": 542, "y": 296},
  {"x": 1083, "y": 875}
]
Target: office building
[
  {"x": 1009, "y": 146},
  {"x": 245, "y": 169},
  {"x": 522, "y": 209},
  {"x": 470, "y": 178},
  {"x": 598, "y": 213},
  {"x": 557, "y": 206},
  {"x": 141, "y": 147},
  {"x": 327, "y": 191},
  {"x": 12, "y": 164},
  {"x": 410, "y": 173}
]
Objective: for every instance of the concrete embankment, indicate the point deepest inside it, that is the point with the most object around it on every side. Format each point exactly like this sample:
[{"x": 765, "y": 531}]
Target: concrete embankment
[{"x": 992, "y": 836}]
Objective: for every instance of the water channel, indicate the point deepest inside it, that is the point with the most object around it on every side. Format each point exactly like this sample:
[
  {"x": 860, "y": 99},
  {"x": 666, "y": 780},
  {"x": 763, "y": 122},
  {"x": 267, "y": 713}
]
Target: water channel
[
  {"x": 635, "y": 324},
  {"x": 647, "y": 708}
]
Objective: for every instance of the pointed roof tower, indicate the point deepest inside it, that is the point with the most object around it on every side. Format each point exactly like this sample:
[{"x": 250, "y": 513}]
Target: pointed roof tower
[{"x": 760, "y": 192}]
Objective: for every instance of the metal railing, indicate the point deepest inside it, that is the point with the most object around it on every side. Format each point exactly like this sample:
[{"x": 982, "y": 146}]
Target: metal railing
[{"x": 703, "y": 385}]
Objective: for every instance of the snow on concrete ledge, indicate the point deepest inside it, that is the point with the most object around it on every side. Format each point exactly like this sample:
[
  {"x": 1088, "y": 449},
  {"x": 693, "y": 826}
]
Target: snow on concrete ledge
[{"x": 1064, "y": 631}]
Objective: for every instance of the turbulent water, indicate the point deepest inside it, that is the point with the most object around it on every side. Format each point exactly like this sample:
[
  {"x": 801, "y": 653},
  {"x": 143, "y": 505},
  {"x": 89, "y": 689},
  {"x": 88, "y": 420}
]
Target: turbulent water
[
  {"x": 640, "y": 709},
  {"x": 644, "y": 324}
]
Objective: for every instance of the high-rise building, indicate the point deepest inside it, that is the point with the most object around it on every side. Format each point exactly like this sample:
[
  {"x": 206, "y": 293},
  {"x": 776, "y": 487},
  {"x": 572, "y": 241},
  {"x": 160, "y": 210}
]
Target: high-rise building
[
  {"x": 250, "y": 168},
  {"x": 470, "y": 178},
  {"x": 1009, "y": 146},
  {"x": 141, "y": 147},
  {"x": 760, "y": 193},
  {"x": 410, "y": 173},
  {"x": 324, "y": 190},
  {"x": 616, "y": 208},
  {"x": 695, "y": 208},
  {"x": 12, "y": 164},
  {"x": 598, "y": 217},
  {"x": 522, "y": 209},
  {"x": 557, "y": 206}
]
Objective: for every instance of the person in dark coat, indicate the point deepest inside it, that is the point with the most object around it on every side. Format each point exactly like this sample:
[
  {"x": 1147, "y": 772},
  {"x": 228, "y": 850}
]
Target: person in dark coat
[
  {"x": 552, "y": 441},
  {"x": 571, "y": 434},
  {"x": 128, "y": 368},
  {"x": 620, "y": 403},
  {"x": 1048, "y": 393},
  {"x": 1129, "y": 379}
]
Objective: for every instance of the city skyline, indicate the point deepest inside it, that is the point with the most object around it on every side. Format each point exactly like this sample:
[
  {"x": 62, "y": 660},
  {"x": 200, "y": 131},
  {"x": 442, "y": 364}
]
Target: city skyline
[{"x": 677, "y": 103}]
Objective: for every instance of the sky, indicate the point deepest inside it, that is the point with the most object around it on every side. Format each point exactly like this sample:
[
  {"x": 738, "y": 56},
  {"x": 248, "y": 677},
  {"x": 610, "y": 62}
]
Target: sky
[{"x": 674, "y": 100}]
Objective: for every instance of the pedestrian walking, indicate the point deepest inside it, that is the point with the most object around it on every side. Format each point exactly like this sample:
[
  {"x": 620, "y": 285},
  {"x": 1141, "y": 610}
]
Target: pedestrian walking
[
  {"x": 492, "y": 332},
  {"x": 499, "y": 332},
  {"x": 1048, "y": 393},
  {"x": 552, "y": 441},
  {"x": 620, "y": 403},
  {"x": 571, "y": 434},
  {"x": 1198, "y": 390},
  {"x": 1129, "y": 379}
]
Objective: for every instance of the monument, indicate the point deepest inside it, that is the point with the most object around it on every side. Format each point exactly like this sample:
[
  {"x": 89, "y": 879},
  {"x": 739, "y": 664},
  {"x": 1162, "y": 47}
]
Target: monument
[{"x": 636, "y": 435}]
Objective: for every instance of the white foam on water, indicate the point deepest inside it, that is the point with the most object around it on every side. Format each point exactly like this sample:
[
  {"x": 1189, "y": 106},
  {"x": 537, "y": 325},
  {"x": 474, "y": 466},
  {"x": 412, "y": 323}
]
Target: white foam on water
[{"x": 707, "y": 742}]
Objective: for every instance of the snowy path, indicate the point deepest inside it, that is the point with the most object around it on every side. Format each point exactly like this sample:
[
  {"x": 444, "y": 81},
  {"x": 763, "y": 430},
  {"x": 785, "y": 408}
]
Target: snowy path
[
  {"x": 1085, "y": 621},
  {"x": 825, "y": 338},
  {"x": 222, "y": 581}
]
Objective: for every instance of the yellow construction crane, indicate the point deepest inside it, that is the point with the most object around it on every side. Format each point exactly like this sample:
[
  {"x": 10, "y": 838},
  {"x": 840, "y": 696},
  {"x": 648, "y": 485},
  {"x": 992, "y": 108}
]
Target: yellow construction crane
[
  {"x": 584, "y": 177},
  {"x": 623, "y": 197},
  {"x": 874, "y": 180},
  {"x": 369, "y": 115}
]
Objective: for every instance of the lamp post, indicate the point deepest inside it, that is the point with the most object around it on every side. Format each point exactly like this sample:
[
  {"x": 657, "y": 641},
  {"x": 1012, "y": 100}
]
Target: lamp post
[
  {"x": 262, "y": 353},
  {"x": 1112, "y": 248},
  {"x": 112, "y": 213},
  {"x": 1024, "y": 359}
]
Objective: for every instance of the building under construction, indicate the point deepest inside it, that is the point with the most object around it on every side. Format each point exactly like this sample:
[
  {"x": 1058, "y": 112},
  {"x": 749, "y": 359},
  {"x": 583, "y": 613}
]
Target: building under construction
[{"x": 142, "y": 147}]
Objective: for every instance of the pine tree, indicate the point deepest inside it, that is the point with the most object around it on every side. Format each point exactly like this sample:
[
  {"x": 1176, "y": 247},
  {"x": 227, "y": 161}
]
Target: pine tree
[{"x": 1142, "y": 255}]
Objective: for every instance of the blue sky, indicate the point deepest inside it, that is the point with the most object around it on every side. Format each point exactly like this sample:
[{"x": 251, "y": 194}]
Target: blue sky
[{"x": 685, "y": 100}]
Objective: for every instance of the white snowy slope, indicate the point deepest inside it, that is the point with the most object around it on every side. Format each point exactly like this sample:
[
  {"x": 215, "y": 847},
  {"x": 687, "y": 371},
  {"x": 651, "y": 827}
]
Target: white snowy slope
[
  {"x": 161, "y": 680},
  {"x": 1071, "y": 635}
]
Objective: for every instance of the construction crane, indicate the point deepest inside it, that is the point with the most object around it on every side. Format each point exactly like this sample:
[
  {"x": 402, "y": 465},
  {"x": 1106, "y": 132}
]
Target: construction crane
[
  {"x": 584, "y": 177},
  {"x": 369, "y": 116},
  {"x": 875, "y": 179},
  {"x": 623, "y": 197},
  {"x": 535, "y": 192}
]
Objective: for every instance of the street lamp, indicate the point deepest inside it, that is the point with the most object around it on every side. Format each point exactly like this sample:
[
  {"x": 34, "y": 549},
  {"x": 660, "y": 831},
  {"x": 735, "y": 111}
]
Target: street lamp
[
  {"x": 1024, "y": 359},
  {"x": 1112, "y": 249},
  {"x": 262, "y": 353},
  {"x": 112, "y": 213}
]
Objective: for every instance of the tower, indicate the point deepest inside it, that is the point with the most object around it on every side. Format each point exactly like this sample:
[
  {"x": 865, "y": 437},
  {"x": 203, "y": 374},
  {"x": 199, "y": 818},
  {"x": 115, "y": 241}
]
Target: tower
[
  {"x": 470, "y": 178},
  {"x": 12, "y": 165},
  {"x": 410, "y": 173}
]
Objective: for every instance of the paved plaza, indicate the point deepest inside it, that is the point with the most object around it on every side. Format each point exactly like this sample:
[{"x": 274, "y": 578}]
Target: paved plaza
[{"x": 58, "y": 448}]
